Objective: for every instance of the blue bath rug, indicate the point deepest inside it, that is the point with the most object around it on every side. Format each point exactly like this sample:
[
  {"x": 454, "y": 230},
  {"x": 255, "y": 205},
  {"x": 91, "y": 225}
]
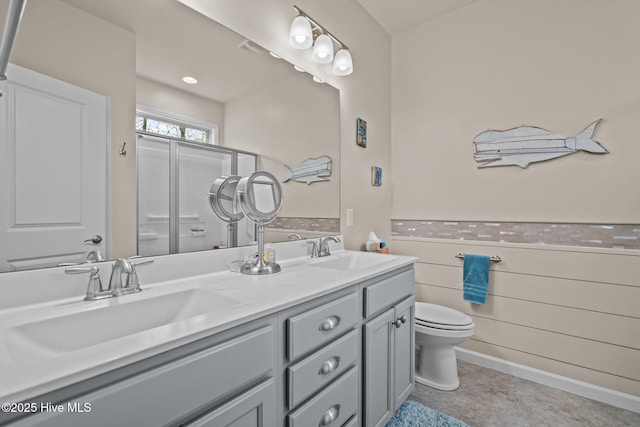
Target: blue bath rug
[{"x": 413, "y": 414}]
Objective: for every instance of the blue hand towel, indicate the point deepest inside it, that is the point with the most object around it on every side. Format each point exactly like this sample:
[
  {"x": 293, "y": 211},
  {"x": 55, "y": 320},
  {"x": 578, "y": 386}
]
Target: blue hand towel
[{"x": 475, "y": 277}]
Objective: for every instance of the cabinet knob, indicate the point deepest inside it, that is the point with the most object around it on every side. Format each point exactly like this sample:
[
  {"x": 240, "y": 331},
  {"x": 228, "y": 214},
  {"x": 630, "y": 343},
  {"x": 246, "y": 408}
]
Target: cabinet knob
[
  {"x": 400, "y": 321},
  {"x": 329, "y": 323},
  {"x": 329, "y": 366},
  {"x": 330, "y": 415}
]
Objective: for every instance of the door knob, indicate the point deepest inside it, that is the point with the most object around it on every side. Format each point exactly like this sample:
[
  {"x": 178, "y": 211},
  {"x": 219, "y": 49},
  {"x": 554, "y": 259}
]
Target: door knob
[{"x": 95, "y": 239}]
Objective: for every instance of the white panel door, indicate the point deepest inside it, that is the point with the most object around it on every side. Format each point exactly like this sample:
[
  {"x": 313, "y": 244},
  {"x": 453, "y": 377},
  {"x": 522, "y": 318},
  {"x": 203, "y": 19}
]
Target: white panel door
[{"x": 53, "y": 161}]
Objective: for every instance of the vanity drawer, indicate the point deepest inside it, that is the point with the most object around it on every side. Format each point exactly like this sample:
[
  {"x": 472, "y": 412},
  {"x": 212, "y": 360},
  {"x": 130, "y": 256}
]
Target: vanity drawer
[
  {"x": 338, "y": 402},
  {"x": 322, "y": 367},
  {"x": 321, "y": 324},
  {"x": 386, "y": 292}
]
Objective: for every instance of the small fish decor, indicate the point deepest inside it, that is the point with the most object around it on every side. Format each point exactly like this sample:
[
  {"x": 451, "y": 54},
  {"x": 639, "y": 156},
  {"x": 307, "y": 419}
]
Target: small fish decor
[
  {"x": 524, "y": 145},
  {"x": 309, "y": 170}
]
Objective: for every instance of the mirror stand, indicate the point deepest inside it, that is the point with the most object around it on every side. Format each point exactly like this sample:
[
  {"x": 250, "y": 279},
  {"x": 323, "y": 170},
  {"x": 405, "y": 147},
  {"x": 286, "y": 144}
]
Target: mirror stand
[{"x": 258, "y": 264}]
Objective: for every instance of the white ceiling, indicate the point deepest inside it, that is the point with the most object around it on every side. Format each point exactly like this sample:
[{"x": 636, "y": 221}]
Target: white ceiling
[
  {"x": 396, "y": 16},
  {"x": 173, "y": 41}
]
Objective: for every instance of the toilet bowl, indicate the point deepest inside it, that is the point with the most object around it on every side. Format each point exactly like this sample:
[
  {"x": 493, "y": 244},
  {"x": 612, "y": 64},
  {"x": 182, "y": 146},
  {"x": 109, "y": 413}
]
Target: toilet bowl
[{"x": 437, "y": 330}]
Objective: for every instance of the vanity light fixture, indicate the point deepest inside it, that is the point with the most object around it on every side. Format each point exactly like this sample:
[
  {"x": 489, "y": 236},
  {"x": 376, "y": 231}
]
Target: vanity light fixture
[
  {"x": 343, "y": 64},
  {"x": 304, "y": 30},
  {"x": 190, "y": 80},
  {"x": 323, "y": 49},
  {"x": 300, "y": 35}
]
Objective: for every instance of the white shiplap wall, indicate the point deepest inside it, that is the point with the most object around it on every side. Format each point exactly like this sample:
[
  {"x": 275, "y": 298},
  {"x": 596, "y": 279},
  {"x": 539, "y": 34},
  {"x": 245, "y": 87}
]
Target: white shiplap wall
[{"x": 570, "y": 311}]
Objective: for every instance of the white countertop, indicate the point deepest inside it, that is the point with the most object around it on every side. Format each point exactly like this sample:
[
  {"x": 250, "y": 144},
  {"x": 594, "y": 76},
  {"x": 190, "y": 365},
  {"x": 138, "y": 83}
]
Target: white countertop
[{"x": 30, "y": 369}]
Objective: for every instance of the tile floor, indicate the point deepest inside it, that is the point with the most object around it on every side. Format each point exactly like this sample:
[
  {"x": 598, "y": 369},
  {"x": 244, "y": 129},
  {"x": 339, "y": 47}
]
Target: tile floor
[{"x": 488, "y": 398}]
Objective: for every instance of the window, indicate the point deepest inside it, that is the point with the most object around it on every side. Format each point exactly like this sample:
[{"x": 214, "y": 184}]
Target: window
[{"x": 175, "y": 128}]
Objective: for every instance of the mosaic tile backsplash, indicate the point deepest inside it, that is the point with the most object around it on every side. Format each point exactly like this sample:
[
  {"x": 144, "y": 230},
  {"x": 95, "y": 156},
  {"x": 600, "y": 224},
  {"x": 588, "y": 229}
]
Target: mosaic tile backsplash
[
  {"x": 297, "y": 224},
  {"x": 617, "y": 236}
]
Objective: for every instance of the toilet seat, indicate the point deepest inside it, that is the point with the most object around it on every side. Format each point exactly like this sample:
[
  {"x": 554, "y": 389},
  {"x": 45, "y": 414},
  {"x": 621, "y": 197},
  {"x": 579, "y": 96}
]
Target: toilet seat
[
  {"x": 439, "y": 317},
  {"x": 444, "y": 327}
]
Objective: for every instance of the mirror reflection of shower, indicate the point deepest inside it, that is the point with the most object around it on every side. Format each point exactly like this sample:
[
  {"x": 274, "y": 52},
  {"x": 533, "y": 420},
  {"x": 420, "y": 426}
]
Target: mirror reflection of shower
[
  {"x": 260, "y": 199},
  {"x": 224, "y": 202},
  {"x": 174, "y": 211}
]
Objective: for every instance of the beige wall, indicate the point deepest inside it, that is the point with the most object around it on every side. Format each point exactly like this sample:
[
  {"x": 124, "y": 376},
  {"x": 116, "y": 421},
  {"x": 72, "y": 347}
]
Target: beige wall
[
  {"x": 65, "y": 43},
  {"x": 498, "y": 64},
  {"x": 286, "y": 123}
]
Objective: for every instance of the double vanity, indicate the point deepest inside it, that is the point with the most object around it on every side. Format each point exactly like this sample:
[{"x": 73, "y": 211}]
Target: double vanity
[{"x": 327, "y": 341}]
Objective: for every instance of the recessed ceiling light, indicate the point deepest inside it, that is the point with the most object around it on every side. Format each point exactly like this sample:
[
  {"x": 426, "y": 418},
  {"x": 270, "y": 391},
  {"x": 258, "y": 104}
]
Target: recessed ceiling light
[
  {"x": 190, "y": 80},
  {"x": 302, "y": 70},
  {"x": 275, "y": 55},
  {"x": 317, "y": 79}
]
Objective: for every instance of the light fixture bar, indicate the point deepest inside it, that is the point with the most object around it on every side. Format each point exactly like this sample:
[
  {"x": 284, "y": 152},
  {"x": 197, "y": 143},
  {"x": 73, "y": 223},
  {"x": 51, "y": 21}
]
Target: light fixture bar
[{"x": 324, "y": 30}]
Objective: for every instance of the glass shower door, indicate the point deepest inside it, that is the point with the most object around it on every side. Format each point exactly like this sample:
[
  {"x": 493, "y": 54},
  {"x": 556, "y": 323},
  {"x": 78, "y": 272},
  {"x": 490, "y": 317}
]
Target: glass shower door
[
  {"x": 153, "y": 195},
  {"x": 198, "y": 226}
]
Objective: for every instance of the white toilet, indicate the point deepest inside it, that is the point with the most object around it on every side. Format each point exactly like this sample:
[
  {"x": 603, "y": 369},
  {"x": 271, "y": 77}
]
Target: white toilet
[{"x": 437, "y": 330}]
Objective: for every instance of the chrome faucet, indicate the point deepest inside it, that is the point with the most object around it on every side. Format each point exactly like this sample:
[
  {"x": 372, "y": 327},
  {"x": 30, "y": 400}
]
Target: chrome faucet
[
  {"x": 323, "y": 246},
  {"x": 95, "y": 291}
]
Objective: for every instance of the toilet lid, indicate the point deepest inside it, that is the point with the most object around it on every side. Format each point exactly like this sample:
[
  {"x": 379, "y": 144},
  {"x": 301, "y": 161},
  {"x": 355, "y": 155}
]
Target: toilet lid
[{"x": 439, "y": 316}]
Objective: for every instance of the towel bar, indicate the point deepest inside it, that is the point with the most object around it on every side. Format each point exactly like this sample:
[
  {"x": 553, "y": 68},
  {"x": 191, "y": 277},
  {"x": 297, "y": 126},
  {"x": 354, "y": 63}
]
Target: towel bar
[{"x": 494, "y": 258}]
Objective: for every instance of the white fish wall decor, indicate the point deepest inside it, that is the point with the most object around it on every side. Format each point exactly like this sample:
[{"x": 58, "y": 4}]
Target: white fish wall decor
[
  {"x": 309, "y": 170},
  {"x": 528, "y": 144}
]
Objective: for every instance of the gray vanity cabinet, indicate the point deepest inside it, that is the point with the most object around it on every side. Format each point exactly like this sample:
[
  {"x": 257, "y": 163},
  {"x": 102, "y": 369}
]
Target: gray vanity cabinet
[{"x": 388, "y": 345}]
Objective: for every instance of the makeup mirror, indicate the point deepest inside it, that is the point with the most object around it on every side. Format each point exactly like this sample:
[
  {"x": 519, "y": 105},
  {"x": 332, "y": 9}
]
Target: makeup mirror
[
  {"x": 224, "y": 202},
  {"x": 260, "y": 198}
]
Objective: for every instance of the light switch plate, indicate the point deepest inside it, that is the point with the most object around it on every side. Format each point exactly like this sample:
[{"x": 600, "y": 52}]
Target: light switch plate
[{"x": 349, "y": 217}]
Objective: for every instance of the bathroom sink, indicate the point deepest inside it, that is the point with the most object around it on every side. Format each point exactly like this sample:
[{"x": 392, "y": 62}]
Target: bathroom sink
[
  {"x": 71, "y": 332},
  {"x": 354, "y": 260}
]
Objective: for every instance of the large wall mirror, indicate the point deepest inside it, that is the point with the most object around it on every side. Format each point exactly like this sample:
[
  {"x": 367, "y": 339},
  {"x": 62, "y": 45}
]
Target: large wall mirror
[{"x": 135, "y": 53}]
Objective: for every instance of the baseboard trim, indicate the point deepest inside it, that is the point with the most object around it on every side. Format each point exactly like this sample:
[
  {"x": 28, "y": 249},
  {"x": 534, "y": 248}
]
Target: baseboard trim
[{"x": 601, "y": 394}]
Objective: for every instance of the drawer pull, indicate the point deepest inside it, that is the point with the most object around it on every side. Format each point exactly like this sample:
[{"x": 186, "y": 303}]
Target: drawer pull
[
  {"x": 329, "y": 366},
  {"x": 400, "y": 321},
  {"x": 329, "y": 323},
  {"x": 330, "y": 415}
]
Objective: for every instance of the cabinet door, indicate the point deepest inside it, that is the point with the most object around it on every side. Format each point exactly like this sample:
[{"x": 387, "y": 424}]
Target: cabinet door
[
  {"x": 404, "y": 354},
  {"x": 255, "y": 408},
  {"x": 169, "y": 392},
  {"x": 378, "y": 368}
]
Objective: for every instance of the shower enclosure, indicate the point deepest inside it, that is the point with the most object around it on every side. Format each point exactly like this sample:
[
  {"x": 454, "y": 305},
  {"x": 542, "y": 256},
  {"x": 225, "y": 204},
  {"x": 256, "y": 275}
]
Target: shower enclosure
[{"x": 174, "y": 179}]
